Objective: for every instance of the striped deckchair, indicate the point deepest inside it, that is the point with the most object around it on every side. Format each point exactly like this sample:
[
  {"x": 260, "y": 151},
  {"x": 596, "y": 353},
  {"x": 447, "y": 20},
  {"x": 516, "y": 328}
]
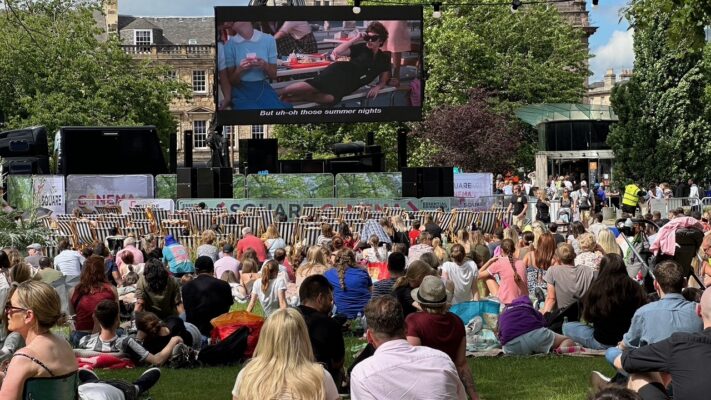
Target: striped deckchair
[
  {"x": 111, "y": 209},
  {"x": 178, "y": 214},
  {"x": 47, "y": 222},
  {"x": 137, "y": 213},
  {"x": 84, "y": 233},
  {"x": 200, "y": 221},
  {"x": 310, "y": 212},
  {"x": 302, "y": 226},
  {"x": 287, "y": 230},
  {"x": 135, "y": 231},
  {"x": 461, "y": 219},
  {"x": 338, "y": 211},
  {"x": 392, "y": 211},
  {"x": 190, "y": 242},
  {"x": 357, "y": 227},
  {"x": 231, "y": 232},
  {"x": 159, "y": 214},
  {"x": 310, "y": 236},
  {"x": 174, "y": 227},
  {"x": 445, "y": 221},
  {"x": 64, "y": 217},
  {"x": 376, "y": 215},
  {"x": 145, "y": 225},
  {"x": 253, "y": 210},
  {"x": 352, "y": 215},
  {"x": 116, "y": 220},
  {"x": 102, "y": 231},
  {"x": 267, "y": 217},
  {"x": 65, "y": 228},
  {"x": 253, "y": 222}
]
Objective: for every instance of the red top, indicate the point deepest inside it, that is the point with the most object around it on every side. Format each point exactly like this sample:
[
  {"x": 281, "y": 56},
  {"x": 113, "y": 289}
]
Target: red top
[
  {"x": 414, "y": 234},
  {"x": 251, "y": 241},
  {"x": 84, "y": 305},
  {"x": 443, "y": 332}
]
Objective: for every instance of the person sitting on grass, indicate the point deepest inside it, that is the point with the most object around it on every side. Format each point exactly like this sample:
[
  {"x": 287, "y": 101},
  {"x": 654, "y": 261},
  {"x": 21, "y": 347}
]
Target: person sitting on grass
[
  {"x": 522, "y": 330},
  {"x": 398, "y": 370},
  {"x": 206, "y": 297},
  {"x": 685, "y": 356},
  {"x": 512, "y": 282},
  {"x": 566, "y": 282},
  {"x": 437, "y": 328},
  {"x": 157, "y": 292},
  {"x": 155, "y": 335},
  {"x": 283, "y": 365},
  {"x": 107, "y": 340},
  {"x": 270, "y": 291},
  {"x": 396, "y": 267}
]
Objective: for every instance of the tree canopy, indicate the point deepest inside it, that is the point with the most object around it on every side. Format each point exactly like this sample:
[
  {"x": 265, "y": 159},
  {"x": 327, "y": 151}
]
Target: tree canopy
[
  {"x": 55, "y": 71},
  {"x": 663, "y": 130}
]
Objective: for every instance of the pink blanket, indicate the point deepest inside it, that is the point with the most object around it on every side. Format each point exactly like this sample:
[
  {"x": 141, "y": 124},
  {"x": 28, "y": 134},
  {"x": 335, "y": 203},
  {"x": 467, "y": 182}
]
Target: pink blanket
[
  {"x": 666, "y": 237},
  {"x": 108, "y": 361}
]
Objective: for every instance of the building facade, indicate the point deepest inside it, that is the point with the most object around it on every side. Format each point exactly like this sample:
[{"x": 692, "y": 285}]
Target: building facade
[
  {"x": 599, "y": 93},
  {"x": 187, "y": 46}
]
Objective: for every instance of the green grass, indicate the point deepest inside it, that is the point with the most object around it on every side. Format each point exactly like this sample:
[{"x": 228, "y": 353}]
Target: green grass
[
  {"x": 500, "y": 378},
  {"x": 497, "y": 378}
]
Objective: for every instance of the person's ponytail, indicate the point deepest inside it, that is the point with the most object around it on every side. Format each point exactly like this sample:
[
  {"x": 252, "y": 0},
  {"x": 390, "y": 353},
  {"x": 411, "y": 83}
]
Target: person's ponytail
[{"x": 507, "y": 246}]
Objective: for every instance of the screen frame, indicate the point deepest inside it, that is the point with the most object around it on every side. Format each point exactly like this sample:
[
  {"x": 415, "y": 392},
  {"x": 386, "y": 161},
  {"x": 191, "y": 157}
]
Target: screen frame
[{"x": 295, "y": 13}]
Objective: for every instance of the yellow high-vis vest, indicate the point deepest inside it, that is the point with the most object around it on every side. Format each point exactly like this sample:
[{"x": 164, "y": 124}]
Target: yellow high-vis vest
[{"x": 631, "y": 197}]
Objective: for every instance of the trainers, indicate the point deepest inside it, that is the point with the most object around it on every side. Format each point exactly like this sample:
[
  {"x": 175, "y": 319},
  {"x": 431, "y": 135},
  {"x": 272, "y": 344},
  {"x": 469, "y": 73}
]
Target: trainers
[
  {"x": 147, "y": 380},
  {"x": 87, "y": 376},
  {"x": 598, "y": 381}
]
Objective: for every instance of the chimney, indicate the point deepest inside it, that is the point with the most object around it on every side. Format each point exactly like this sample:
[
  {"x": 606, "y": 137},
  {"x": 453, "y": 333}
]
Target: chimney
[
  {"x": 626, "y": 74},
  {"x": 111, "y": 14},
  {"x": 609, "y": 79}
]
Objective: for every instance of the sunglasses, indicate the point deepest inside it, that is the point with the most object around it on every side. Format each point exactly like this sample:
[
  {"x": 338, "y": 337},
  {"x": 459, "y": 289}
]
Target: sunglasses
[
  {"x": 371, "y": 38},
  {"x": 10, "y": 309}
]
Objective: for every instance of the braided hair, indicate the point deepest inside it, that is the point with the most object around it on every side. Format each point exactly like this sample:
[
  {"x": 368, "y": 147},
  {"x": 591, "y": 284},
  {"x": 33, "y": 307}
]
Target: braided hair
[
  {"x": 344, "y": 259},
  {"x": 507, "y": 246}
]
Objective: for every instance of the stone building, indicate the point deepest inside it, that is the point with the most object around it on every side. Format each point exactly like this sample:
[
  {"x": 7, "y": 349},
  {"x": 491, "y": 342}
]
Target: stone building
[
  {"x": 187, "y": 45},
  {"x": 599, "y": 92}
]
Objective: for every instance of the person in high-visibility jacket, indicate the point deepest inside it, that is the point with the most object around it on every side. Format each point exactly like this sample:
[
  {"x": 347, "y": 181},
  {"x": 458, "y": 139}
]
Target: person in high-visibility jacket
[{"x": 630, "y": 199}]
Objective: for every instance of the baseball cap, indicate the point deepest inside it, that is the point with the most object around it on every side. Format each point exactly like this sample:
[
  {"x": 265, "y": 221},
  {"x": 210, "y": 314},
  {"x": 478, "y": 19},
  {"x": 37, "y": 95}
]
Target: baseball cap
[
  {"x": 228, "y": 248},
  {"x": 35, "y": 246},
  {"x": 583, "y": 183}
]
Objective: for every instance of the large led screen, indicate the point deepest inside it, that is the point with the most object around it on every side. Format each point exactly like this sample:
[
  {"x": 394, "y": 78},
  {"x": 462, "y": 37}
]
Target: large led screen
[{"x": 288, "y": 64}]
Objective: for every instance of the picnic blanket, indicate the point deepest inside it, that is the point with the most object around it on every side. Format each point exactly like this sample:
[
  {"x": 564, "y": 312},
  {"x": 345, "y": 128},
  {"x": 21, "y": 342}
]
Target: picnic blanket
[{"x": 105, "y": 360}]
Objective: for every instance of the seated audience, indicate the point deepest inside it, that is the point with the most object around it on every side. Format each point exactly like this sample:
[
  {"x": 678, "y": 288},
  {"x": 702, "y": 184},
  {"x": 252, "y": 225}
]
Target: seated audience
[
  {"x": 128, "y": 265},
  {"x": 606, "y": 240},
  {"x": 512, "y": 279},
  {"x": 437, "y": 328},
  {"x": 248, "y": 276},
  {"x": 68, "y": 261},
  {"x": 461, "y": 276},
  {"x": 272, "y": 240},
  {"x": 352, "y": 285},
  {"x": 249, "y": 241},
  {"x": 108, "y": 341},
  {"x": 283, "y": 364},
  {"x": 325, "y": 333},
  {"x": 46, "y": 273},
  {"x": 129, "y": 246},
  {"x": 424, "y": 245},
  {"x": 91, "y": 290},
  {"x": 270, "y": 291},
  {"x": 608, "y": 306},
  {"x": 396, "y": 267},
  {"x": 177, "y": 257},
  {"x": 567, "y": 283},
  {"x": 326, "y": 236},
  {"x": 375, "y": 253},
  {"x": 238, "y": 291},
  {"x": 206, "y": 297},
  {"x": 589, "y": 255},
  {"x": 155, "y": 335},
  {"x": 399, "y": 370},
  {"x": 227, "y": 262},
  {"x": 402, "y": 289},
  {"x": 315, "y": 265},
  {"x": 523, "y": 331},
  {"x": 207, "y": 248},
  {"x": 414, "y": 233},
  {"x": 157, "y": 292}
]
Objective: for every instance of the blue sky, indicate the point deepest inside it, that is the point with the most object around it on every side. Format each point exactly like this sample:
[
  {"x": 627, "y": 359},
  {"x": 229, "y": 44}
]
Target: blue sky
[{"x": 611, "y": 44}]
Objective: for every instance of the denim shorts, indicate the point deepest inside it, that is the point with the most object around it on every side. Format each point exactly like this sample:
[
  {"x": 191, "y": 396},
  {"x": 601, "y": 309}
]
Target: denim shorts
[{"x": 538, "y": 341}]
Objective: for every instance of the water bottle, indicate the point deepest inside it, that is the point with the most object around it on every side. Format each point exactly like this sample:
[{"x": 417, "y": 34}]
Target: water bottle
[{"x": 357, "y": 325}]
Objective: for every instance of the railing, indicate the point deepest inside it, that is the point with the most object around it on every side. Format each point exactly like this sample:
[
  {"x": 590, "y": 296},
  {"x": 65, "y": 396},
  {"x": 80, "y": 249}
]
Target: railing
[{"x": 163, "y": 49}]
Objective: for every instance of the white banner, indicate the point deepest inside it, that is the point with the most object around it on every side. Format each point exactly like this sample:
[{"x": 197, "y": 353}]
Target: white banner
[
  {"x": 49, "y": 192},
  {"x": 105, "y": 190},
  {"x": 166, "y": 204},
  {"x": 473, "y": 185}
]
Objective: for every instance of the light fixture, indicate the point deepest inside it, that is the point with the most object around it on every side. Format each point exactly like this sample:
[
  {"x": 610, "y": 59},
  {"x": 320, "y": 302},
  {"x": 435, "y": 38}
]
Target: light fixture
[
  {"x": 437, "y": 13},
  {"x": 356, "y": 6},
  {"x": 515, "y": 4}
]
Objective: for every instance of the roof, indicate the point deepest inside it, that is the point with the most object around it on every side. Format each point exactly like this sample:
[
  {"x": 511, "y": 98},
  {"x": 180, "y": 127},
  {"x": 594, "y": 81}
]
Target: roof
[
  {"x": 536, "y": 114},
  {"x": 176, "y": 30}
]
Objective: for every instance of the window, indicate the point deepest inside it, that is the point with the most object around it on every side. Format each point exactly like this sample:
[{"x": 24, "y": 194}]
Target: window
[
  {"x": 199, "y": 82},
  {"x": 199, "y": 134},
  {"x": 171, "y": 75},
  {"x": 192, "y": 41},
  {"x": 257, "y": 131},
  {"x": 143, "y": 38},
  {"x": 227, "y": 133}
]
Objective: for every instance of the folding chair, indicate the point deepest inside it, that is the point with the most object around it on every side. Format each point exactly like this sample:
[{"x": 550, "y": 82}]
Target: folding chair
[
  {"x": 287, "y": 230},
  {"x": 84, "y": 233},
  {"x": 310, "y": 236},
  {"x": 253, "y": 222},
  {"x": 267, "y": 217}
]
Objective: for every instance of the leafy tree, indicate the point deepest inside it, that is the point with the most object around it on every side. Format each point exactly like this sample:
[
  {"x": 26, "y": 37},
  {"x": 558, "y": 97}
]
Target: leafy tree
[
  {"x": 55, "y": 71},
  {"x": 663, "y": 130}
]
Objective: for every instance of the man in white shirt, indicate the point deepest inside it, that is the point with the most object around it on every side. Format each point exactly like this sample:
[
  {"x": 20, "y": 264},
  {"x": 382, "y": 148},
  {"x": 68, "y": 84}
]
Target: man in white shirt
[
  {"x": 69, "y": 262},
  {"x": 227, "y": 262},
  {"x": 693, "y": 196},
  {"x": 399, "y": 370}
]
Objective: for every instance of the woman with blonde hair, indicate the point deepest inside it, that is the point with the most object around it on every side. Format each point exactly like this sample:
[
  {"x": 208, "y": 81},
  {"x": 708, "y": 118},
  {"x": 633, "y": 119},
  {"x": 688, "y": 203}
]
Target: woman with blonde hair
[
  {"x": 460, "y": 275},
  {"x": 439, "y": 251},
  {"x": 33, "y": 309},
  {"x": 248, "y": 275},
  {"x": 315, "y": 265},
  {"x": 463, "y": 239},
  {"x": 283, "y": 365},
  {"x": 589, "y": 255},
  {"x": 478, "y": 246},
  {"x": 606, "y": 240},
  {"x": 207, "y": 248},
  {"x": 537, "y": 263},
  {"x": 273, "y": 241}
]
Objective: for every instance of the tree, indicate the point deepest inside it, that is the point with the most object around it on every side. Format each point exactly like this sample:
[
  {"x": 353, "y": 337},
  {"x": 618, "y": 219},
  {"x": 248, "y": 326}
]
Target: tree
[
  {"x": 54, "y": 71},
  {"x": 663, "y": 110},
  {"x": 472, "y": 136}
]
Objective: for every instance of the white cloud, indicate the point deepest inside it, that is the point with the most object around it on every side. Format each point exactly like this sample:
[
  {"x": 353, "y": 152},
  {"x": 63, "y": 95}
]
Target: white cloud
[{"x": 617, "y": 53}]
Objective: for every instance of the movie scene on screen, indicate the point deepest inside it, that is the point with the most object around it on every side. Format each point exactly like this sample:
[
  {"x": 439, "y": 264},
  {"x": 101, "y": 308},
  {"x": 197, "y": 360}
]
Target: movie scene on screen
[{"x": 318, "y": 64}]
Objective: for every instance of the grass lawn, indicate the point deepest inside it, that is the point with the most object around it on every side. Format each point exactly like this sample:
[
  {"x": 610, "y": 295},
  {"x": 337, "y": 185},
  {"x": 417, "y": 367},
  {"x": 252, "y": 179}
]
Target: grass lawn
[
  {"x": 497, "y": 378},
  {"x": 501, "y": 378}
]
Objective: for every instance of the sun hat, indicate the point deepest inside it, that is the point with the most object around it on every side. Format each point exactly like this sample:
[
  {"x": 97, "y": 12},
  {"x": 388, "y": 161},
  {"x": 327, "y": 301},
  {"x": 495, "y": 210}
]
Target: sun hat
[{"x": 431, "y": 292}]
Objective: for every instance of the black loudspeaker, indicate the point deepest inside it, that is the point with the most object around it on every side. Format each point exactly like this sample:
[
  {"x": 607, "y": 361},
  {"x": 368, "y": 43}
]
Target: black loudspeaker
[
  {"x": 206, "y": 184},
  {"x": 24, "y": 142},
  {"x": 188, "y": 148},
  {"x": 26, "y": 165},
  {"x": 428, "y": 182},
  {"x": 258, "y": 155},
  {"x": 187, "y": 183},
  {"x": 224, "y": 183},
  {"x": 173, "y": 152}
]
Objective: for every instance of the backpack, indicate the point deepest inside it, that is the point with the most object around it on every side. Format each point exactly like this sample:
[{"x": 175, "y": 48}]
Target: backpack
[{"x": 584, "y": 199}]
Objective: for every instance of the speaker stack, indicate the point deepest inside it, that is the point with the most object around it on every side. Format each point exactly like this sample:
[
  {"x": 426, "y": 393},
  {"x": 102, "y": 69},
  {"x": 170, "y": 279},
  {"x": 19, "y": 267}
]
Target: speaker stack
[
  {"x": 428, "y": 182},
  {"x": 25, "y": 151},
  {"x": 204, "y": 183},
  {"x": 256, "y": 155}
]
